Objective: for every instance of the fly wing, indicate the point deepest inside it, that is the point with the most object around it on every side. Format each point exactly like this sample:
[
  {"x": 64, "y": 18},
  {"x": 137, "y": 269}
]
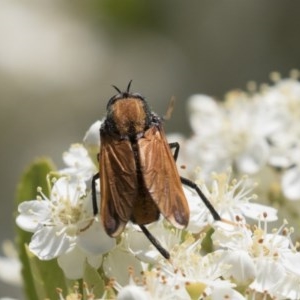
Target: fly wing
[
  {"x": 118, "y": 183},
  {"x": 161, "y": 177}
]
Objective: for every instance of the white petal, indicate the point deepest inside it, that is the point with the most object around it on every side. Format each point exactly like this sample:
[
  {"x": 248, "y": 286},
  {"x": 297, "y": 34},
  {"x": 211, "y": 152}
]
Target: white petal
[
  {"x": 32, "y": 213},
  {"x": 254, "y": 158},
  {"x": 198, "y": 212},
  {"x": 141, "y": 246},
  {"x": 291, "y": 262},
  {"x": 236, "y": 238},
  {"x": 206, "y": 116},
  {"x": 116, "y": 264},
  {"x": 92, "y": 136},
  {"x": 79, "y": 162},
  {"x": 226, "y": 293},
  {"x": 47, "y": 244},
  {"x": 259, "y": 212},
  {"x": 95, "y": 260},
  {"x": 95, "y": 240},
  {"x": 268, "y": 274},
  {"x": 72, "y": 263},
  {"x": 242, "y": 266},
  {"x": 75, "y": 155},
  {"x": 291, "y": 183},
  {"x": 279, "y": 242},
  {"x": 288, "y": 287},
  {"x": 133, "y": 292}
]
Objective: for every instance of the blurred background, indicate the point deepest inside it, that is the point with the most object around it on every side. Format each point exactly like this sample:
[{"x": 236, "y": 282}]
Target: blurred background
[{"x": 58, "y": 61}]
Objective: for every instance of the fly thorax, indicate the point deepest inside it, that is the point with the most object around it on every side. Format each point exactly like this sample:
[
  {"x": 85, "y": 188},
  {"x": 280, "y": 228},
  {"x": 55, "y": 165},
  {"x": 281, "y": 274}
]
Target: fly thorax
[{"x": 129, "y": 116}]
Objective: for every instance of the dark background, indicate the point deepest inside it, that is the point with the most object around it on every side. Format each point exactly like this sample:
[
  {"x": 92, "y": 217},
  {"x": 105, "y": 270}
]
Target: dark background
[{"x": 59, "y": 60}]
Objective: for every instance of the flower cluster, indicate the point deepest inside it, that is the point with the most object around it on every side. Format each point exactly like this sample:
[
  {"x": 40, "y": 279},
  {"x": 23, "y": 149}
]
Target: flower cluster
[
  {"x": 249, "y": 131},
  {"x": 256, "y": 133}
]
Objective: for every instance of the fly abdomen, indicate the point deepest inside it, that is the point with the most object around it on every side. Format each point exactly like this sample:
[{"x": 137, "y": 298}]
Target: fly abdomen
[{"x": 144, "y": 210}]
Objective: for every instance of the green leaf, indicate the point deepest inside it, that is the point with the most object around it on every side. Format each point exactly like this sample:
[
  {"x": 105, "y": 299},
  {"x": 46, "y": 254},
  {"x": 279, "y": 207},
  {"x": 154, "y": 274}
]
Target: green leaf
[
  {"x": 33, "y": 177},
  {"x": 131, "y": 13},
  {"x": 207, "y": 244},
  {"x": 47, "y": 276}
]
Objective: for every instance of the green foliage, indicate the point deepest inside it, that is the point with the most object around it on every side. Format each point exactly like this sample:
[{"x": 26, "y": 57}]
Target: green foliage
[
  {"x": 46, "y": 277},
  {"x": 207, "y": 244},
  {"x": 131, "y": 14}
]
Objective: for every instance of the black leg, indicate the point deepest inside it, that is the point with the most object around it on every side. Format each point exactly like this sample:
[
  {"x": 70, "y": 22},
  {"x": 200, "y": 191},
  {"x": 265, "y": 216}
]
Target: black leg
[
  {"x": 176, "y": 146},
  {"x": 155, "y": 242},
  {"x": 94, "y": 194},
  {"x": 194, "y": 186}
]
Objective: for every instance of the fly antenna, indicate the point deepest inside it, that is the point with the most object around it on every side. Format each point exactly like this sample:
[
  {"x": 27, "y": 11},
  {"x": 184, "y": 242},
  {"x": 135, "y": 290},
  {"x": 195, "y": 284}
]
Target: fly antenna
[
  {"x": 128, "y": 87},
  {"x": 117, "y": 89}
]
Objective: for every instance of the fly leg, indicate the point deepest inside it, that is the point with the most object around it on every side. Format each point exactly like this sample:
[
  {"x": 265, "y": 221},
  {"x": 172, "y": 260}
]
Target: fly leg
[
  {"x": 94, "y": 194},
  {"x": 176, "y": 152},
  {"x": 155, "y": 242},
  {"x": 194, "y": 186}
]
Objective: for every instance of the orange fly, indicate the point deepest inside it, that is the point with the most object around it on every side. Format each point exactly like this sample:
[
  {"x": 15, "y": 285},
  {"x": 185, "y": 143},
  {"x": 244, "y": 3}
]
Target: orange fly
[{"x": 138, "y": 175}]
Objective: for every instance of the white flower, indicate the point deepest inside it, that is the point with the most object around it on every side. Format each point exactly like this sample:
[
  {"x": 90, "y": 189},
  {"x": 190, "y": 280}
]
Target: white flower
[
  {"x": 63, "y": 222},
  {"x": 79, "y": 163},
  {"x": 246, "y": 132},
  {"x": 207, "y": 147},
  {"x": 82, "y": 160},
  {"x": 230, "y": 197},
  {"x": 236, "y": 253},
  {"x": 266, "y": 259},
  {"x": 227, "y": 134},
  {"x": 156, "y": 285},
  {"x": 283, "y": 100},
  {"x": 289, "y": 284},
  {"x": 206, "y": 116},
  {"x": 202, "y": 275}
]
